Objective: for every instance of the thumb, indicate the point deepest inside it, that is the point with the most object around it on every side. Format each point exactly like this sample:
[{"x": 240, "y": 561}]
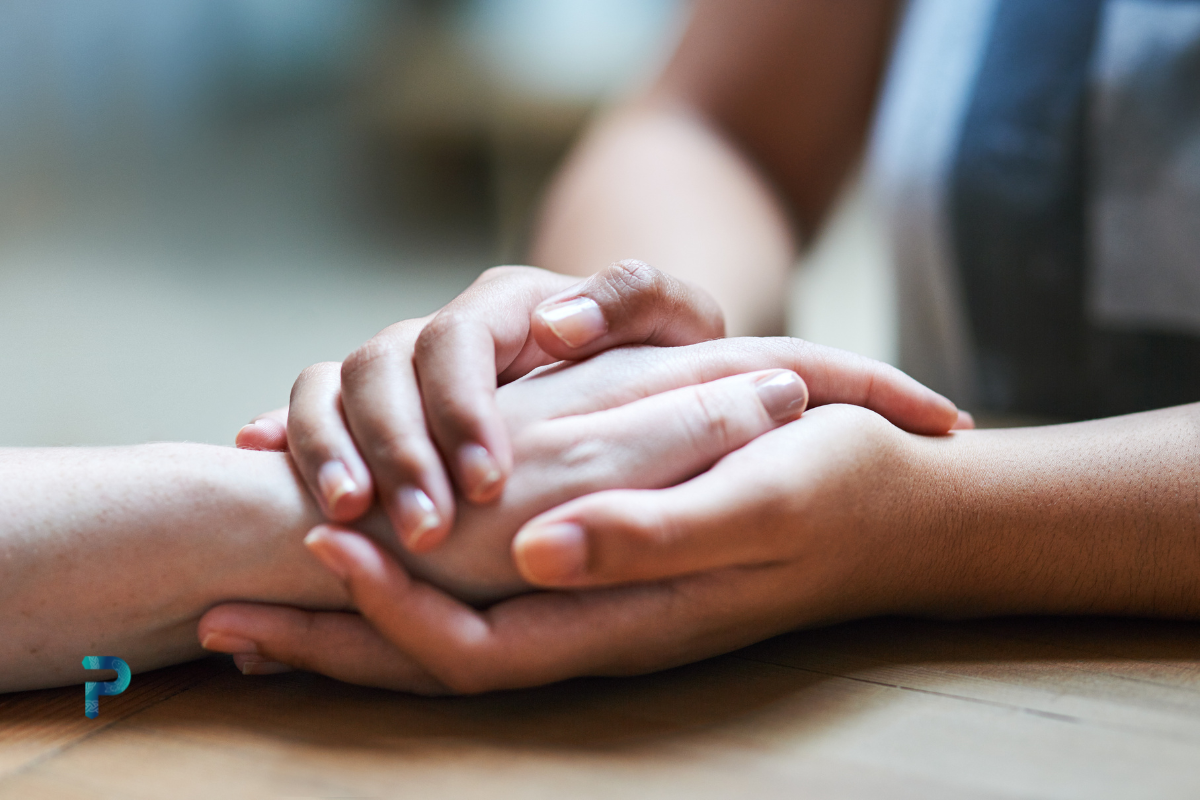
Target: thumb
[
  {"x": 624, "y": 536},
  {"x": 629, "y": 302}
]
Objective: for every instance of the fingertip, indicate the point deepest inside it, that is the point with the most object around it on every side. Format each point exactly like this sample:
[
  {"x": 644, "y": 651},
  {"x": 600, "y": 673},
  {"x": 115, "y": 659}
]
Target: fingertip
[
  {"x": 965, "y": 421},
  {"x": 482, "y": 478},
  {"x": 344, "y": 552},
  {"x": 934, "y": 414},
  {"x": 262, "y": 434},
  {"x": 551, "y": 554},
  {"x": 419, "y": 525},
  {"x": 783, "y": 393},
  {"x": 344, "y": 497},
  {"x": 257, "y": 665},
  {"x": 562, "y": 326}
]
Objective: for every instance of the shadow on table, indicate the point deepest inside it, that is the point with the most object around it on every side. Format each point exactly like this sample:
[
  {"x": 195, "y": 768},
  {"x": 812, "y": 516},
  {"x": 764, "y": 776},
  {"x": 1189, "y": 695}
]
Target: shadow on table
[{"x": 806, "y": 680}]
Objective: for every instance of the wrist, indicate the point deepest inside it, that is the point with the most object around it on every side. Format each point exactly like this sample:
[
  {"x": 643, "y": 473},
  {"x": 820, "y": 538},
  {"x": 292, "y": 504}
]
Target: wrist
[{"x": 269, "y": 511}]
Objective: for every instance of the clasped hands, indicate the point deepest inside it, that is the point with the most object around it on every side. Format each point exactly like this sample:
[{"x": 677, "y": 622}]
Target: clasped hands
[{"x": 659, "y": 478}]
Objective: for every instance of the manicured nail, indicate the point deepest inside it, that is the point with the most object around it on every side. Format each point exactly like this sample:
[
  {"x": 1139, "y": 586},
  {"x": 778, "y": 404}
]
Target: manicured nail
[
  {"x": 575, "y": 322},
  {"x": 551, "y": 554},
  {"x": 254, "y": 665},
  {"x": 418, "y": 515},
  {"x": 335, "y": 483},
  {"x": 782, "y": 394},
  {"x": 228, "y": 643},
  {"x": 321, "y": 544},
  {"x": 480, "y": 472}
]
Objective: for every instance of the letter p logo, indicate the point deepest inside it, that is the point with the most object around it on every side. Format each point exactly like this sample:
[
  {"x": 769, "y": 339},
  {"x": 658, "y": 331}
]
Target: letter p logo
[{"x": 92, "y": 690}]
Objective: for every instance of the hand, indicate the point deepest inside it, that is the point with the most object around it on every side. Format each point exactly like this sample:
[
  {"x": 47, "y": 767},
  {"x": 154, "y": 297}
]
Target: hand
[
  {"x": 279, "y": 632},
  {"x": 375, "y": 424},
  {"x": 641, "y": 417},
  {"x": 820, "y": 520},
  {"x": 577, "y": 429}
]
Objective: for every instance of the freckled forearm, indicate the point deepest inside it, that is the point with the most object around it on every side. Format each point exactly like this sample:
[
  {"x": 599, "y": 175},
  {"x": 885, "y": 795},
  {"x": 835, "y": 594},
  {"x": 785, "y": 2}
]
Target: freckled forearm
[
  {"x": 118, "y": 551},
  {"x": 1095, "y": 517}
]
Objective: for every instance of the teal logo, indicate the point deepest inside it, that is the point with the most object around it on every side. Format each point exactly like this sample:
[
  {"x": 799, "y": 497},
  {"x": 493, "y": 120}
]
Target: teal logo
[{"x": 93, "y": 690}]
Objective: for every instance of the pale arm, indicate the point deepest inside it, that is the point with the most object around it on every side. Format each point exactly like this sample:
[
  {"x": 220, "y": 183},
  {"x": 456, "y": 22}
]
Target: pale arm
[{"x": 118, "y": 551}]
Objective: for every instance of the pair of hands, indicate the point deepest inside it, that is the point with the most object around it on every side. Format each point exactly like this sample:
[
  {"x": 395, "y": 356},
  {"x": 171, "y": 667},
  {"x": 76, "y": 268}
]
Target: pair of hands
[{"x": 784, "y": 530}]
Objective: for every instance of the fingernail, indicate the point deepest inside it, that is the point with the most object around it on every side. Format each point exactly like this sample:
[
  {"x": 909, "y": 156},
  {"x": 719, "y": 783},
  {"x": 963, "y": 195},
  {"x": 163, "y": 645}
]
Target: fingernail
[
  {"x": 782, "y": 394},
  {"x": 322, "y": 546},
  {"x": 481, "y": 473},
  {"x": 335, "y": 483},
  {"x": 551, "y": 554},
  {"x": 228, "y": 643},
  {"x": 575, "y": 322},
  {"x": 254, "y": 665},
  {"x": 418, "y": 515},
  {"x": 237, "y": 440}
]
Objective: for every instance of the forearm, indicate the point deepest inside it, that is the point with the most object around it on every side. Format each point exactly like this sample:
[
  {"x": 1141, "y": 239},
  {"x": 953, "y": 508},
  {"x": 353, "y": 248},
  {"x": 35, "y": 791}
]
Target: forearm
[
  {"x": 1092, "y": 517},
  {"x": 656, "y": 183},
  {"x": 680, "y": 179},
  {"x": 118, "y": 551}
]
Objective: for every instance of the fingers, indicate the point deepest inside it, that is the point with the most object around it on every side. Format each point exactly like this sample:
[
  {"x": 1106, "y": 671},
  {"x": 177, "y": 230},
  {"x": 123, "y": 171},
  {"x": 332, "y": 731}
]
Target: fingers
[
  {"x": 668, "y": 437},
  {"x": 321, "y": 445},
  {"x": 477, "y": 340},
  {"x": 832, "y": 376},
  {"x": 965, "y": 421},
  {"x": 385, "y": 415},
  {"x": 265, "y": 638},
  {"x": 265, "y": 432},
  {"x": 537, "y": 639},
  {"x": 629, "y": 302},
  {"x": 490, "y": 334},
  {"x": 746, "y": 510},
  {"x": 838, "y": 376}
]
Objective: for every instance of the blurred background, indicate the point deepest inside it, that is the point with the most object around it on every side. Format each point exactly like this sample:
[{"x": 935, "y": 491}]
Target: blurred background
[{"x": 199, "y": 198}]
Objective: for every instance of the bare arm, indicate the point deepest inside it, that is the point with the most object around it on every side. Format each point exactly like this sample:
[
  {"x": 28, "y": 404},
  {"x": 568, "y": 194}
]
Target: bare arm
[
  {"x": 751, "y": 129},
  {"x": 1099, "y": 517},
  {"x": 118, "y": 551}
]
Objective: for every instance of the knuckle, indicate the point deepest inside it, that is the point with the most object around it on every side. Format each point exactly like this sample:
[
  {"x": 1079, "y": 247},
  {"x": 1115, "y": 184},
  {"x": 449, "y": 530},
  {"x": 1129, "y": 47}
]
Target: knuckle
[
  {"x": 638, "y": 279},
  {"x": 400, "y": 453},
  {"x": 446, "y": 322},
  {"x": 504, "y": 271},
  {"x": 579, "y": 458},
  {"x": 359, "y": 365},
  {"x": 652, "y": 531},
  {"x": 314, "y": 375},
  {"x": 708, "y": 426}
]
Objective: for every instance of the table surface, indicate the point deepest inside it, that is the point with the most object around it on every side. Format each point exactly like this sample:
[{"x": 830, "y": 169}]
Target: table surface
[{"x": 891, "y": 708}]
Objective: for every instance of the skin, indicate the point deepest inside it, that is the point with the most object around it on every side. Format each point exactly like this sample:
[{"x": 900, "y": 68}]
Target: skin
[
  {"x": 836, "y": 515},
  {"x": 422, "y": 393},
  {"x": 714, "y": 175},
  {"x": 425, "y": 390},
  {"x": 148, "y": 538},
  {"x": 732, "y": 157}
]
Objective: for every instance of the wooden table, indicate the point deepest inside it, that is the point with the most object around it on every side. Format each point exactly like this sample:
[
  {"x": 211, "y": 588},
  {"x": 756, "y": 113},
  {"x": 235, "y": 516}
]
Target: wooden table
[{"x": 890, "y": 708}]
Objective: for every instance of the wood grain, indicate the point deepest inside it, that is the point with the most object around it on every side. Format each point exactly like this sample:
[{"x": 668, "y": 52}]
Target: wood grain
[{"x": 1086, "y": 708}]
